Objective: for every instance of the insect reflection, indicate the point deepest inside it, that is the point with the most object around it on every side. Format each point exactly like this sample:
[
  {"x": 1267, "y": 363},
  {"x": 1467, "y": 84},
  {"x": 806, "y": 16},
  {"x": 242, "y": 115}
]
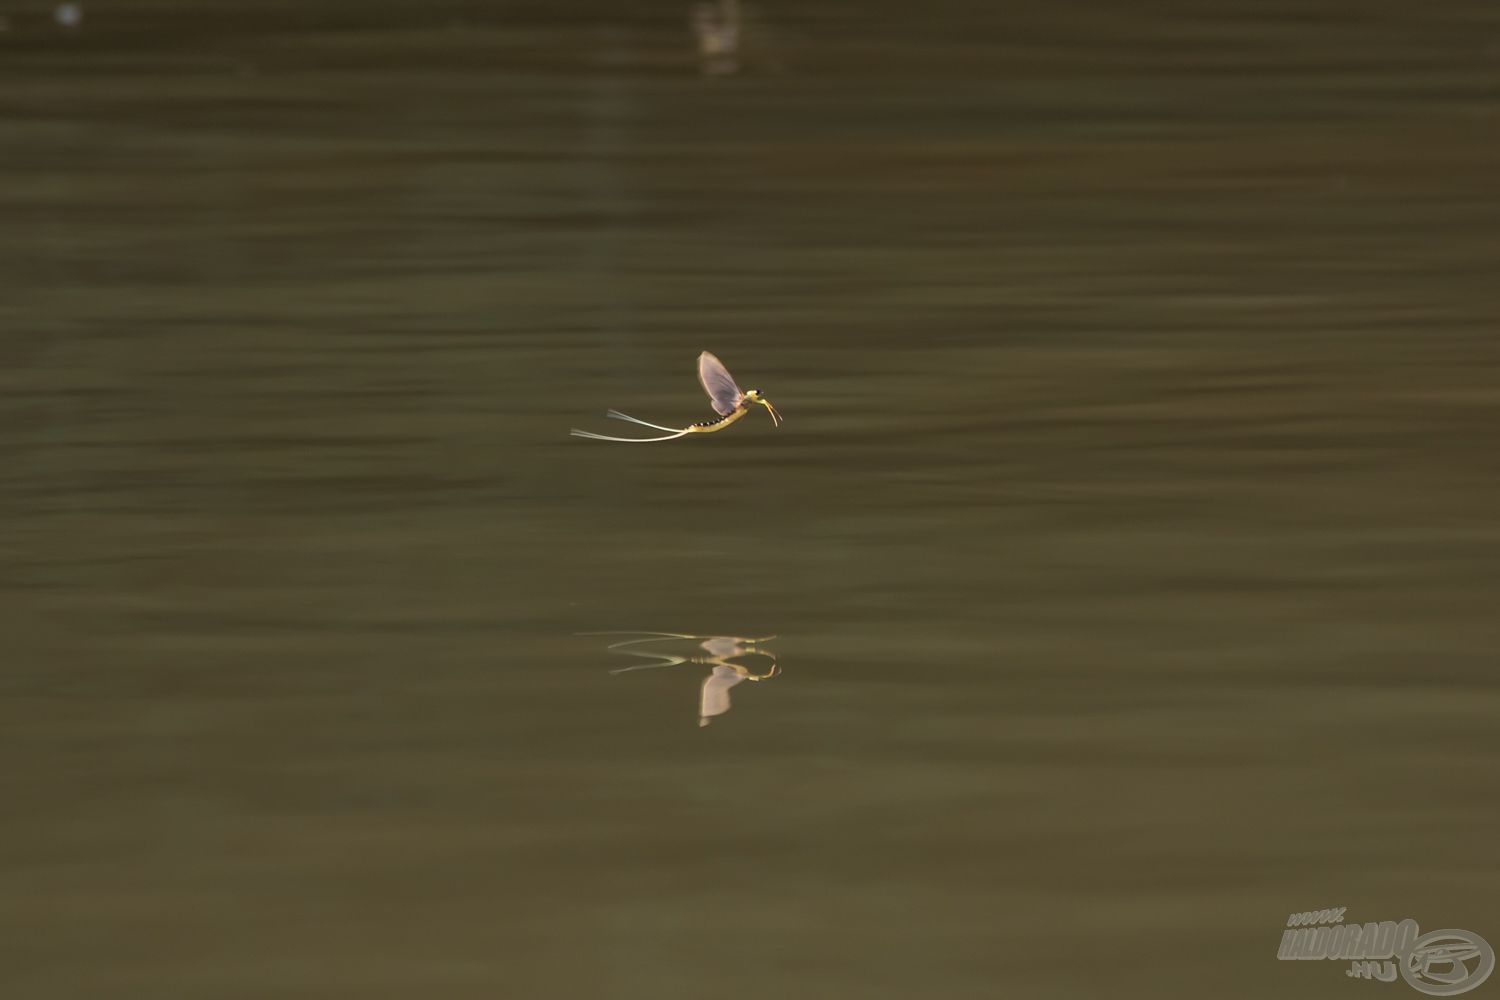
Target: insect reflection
[{"x": 719, "y": 652}]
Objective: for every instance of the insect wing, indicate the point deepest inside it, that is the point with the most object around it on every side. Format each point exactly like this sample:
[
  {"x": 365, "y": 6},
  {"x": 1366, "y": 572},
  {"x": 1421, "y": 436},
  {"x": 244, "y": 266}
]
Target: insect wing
[
  {"x": 719, "y": 384},
  {"x": 722, "y": 646},
  {"x": 714, "y": 698}
]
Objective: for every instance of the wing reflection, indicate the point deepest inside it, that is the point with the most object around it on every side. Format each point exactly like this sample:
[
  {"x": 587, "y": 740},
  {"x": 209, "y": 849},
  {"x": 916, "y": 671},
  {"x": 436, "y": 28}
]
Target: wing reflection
[
  {"x": 716, "y": 25},
  {"x": 719, "y": 652}
]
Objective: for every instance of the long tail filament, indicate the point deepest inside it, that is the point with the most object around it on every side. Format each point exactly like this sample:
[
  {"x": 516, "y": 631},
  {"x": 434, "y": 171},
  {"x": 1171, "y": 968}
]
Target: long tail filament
[
  {"x": 617, "y": 415},
  {"x": 600, "y": 437},
  {"x": 675, "y": 432}
]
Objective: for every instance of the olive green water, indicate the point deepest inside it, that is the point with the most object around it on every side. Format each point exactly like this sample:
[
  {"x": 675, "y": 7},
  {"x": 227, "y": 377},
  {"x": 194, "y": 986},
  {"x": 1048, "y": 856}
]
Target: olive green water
[{"x": 1131, "y": 542}]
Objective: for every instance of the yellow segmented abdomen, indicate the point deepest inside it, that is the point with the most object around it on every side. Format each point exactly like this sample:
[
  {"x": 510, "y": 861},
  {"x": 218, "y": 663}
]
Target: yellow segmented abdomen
[{"x": 717, "y": 424}]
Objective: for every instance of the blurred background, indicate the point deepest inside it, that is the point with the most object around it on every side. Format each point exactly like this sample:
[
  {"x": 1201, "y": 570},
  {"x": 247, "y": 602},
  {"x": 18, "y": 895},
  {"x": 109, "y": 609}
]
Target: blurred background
[{"x": 1130, "y": 545}]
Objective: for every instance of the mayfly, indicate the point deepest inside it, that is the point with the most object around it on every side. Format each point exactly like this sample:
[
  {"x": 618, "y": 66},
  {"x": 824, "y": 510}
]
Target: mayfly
[{"x": 729, "y": 402}]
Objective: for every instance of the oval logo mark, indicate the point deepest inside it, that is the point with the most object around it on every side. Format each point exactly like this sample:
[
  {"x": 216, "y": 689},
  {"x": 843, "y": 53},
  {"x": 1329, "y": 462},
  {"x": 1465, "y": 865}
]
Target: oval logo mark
[{"x": 1448, "y": 962}]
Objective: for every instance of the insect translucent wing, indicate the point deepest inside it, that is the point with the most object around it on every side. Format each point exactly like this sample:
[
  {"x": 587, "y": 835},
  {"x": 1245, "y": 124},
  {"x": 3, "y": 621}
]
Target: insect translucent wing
[
  {"x": 714, "y": 698},
  {"x": 722, "y": 646},
  {"x": 719, "y": 384}
]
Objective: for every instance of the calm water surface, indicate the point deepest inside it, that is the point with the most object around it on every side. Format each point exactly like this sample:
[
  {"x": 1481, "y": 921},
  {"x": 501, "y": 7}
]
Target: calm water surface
[{"x": 1130, "y": 546}]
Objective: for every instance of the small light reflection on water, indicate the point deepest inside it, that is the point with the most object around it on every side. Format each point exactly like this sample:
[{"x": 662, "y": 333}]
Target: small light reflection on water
[{"x": 719, "y": 652}]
